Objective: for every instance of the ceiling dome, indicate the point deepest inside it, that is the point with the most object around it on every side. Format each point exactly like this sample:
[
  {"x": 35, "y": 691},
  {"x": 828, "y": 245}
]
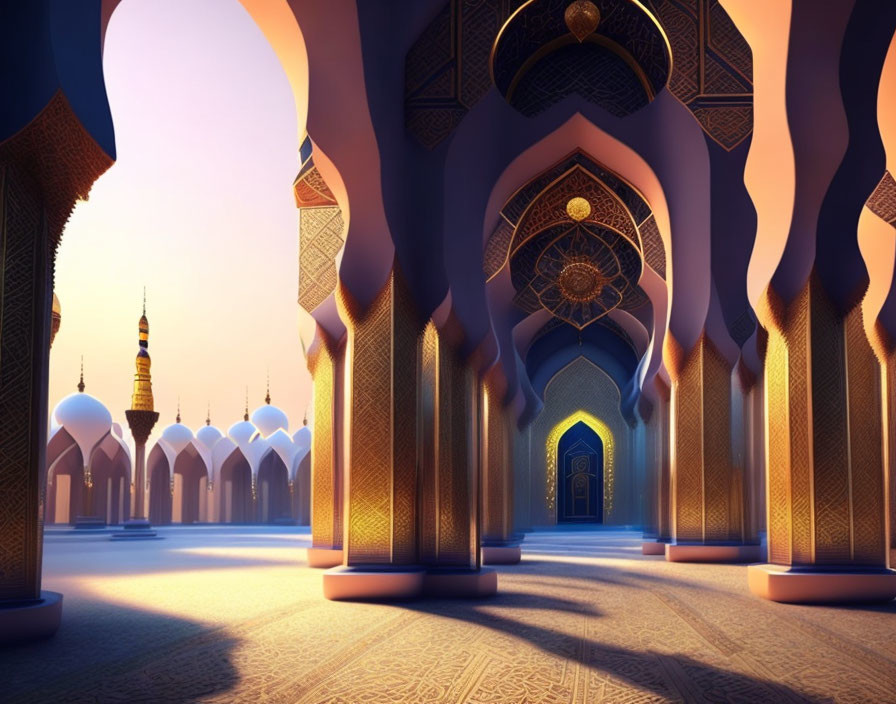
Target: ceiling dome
[
  {"x": 268, "y": 419},
  {"x": 208, "y": 435},
  {"x": 178, "y": 436},
  {"x": 242, "y": 432},
  {"x": 84, "y": 418}
]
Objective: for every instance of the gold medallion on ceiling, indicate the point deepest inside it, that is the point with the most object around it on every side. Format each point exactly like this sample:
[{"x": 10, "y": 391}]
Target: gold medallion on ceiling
[
  {"x": 581, "y": 281},
  {"x": 582, "y": 18},
  {"x": 578, "y": 208}
]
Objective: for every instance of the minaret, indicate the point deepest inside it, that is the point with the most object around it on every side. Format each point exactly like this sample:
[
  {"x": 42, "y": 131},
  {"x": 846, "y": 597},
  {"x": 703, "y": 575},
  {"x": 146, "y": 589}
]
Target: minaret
[{"x": 141, "y": 418}]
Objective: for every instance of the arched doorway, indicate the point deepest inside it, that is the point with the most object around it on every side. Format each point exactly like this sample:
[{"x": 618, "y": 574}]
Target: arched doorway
[
  {"x": 110, "y": 470},
  {"x": 190, "y": 486},
  {"x": 580, "y": 469},
  {"x": 236, "y": 489},
  {"x": 159, "y": 474},
  {"x": 273, "y": 490},
  {"x": 65, "y": 479}
]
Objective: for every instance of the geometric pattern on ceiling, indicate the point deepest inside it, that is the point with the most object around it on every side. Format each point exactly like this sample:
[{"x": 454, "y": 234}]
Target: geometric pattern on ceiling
[
  {"x": 712, "y": 73},
  {"x": 610, "y": 52},
  {"x": 321, "y": 235},
  {"x": 541, "y": 202},
  {"x": 575, "y": 249},
  {"x": 447, "y": 70}
]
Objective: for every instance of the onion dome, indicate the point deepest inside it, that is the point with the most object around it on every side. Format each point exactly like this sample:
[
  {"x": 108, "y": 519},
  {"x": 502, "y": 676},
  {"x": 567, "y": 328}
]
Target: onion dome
[
  {"x": 269, "y": 419},
  {"x": 242, "y": 432},
  {"x": 178, "y": 436},
  {"x": 84, "y": 418},
  {"x": 283, "y": 445},
  {"x": 208, "y": 435},
  {"x": 302, "y": 438}
]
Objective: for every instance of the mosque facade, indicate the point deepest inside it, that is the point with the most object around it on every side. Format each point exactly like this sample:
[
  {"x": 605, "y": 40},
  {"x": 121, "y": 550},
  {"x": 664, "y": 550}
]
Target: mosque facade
[
  {"x": 564, "y": 266},
  {"x": 255, "y": 472}
]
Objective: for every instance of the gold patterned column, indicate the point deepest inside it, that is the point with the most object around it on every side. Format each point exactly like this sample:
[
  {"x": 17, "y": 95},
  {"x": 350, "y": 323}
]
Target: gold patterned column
[
  {"x": 708, "y": 500},
  {"x": 499, "y": 544},
  {"x": 380, "y": 535},
  {"x": 326, "y": 362},
  {"x": 449, "y": 472},
  {"x": 827, "y": 532}
]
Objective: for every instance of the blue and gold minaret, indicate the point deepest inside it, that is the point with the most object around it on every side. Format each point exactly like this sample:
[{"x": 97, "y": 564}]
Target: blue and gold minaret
[{"x": 141, "y": 417}]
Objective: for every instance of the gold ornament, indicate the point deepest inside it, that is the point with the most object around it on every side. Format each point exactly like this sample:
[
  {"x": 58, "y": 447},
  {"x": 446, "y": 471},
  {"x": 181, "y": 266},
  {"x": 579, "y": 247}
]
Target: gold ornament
[
  {"x": 582, "y": 18},
  {"x": 581, "y": 281},
  {"x": 578, "y": 208}
]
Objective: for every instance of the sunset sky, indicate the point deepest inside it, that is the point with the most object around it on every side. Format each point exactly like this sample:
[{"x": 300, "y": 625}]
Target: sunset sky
[{"x": 199, "y": 209}]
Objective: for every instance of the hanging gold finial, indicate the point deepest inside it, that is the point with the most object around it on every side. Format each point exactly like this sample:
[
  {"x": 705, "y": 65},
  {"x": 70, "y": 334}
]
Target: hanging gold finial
[
  {"x": 582, "y": 18},
  {"x": 81, "y": 383},
  {"x": 267, "y": 396},
  {"x": 177, "y": 419},
  {"x": 208, "y": 414},
  {"x": 246, "y": 414}
]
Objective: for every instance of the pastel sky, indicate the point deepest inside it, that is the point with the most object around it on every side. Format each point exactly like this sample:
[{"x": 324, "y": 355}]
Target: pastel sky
[{"x": 199, "y": 209}]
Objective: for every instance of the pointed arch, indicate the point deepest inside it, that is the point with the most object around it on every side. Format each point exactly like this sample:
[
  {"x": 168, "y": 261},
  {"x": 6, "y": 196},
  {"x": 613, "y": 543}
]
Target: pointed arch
[{"x": 606, "y": 437}]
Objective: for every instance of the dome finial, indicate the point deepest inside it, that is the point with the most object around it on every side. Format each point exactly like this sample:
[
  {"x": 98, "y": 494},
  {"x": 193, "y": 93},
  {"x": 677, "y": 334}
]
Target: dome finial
[
  {"x": 246, "y": 413},
  {"x": 177, "y": 419},
  {"x": 267, "y": 396},
  {"x": 144, "y": 300},
  {"x": 208, "y": 414},
  {"x": 81, "y": 383}
]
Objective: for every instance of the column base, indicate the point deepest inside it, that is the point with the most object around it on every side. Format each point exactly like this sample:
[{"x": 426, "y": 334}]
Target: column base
[
  {"x": 460, "y": 583},
  {"x": 372, "y": 584},
  {"x": 31, "y": 621},
  {"x": 653, "y": 547},
  {"x": 324, "y": 557},
  {"x": 684, "y": 552},
  {"x": 816, "y": 586},
  {"x": 136, "y": 529},
  {"x": 89, "y": 523},
  {"x": 501, "y": 554}
]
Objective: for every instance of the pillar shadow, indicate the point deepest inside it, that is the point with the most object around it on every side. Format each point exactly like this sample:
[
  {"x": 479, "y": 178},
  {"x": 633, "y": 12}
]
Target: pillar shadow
[
  {"x": 673, "y": 677},
  {"x": 106, "y": 652}
]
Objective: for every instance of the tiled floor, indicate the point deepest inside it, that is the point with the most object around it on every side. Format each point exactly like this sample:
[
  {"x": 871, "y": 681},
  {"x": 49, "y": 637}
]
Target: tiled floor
[{"x": 233, "y": 614}]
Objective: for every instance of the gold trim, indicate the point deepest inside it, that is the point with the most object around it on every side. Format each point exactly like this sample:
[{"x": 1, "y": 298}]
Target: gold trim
[
  {"x": 606, "y": 436},
  {"x": 650, "y": 15}
]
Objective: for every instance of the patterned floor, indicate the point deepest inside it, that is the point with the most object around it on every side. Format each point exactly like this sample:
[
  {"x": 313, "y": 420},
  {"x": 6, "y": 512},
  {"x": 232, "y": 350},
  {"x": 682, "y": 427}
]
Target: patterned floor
[{"x": 217, "y": 614}]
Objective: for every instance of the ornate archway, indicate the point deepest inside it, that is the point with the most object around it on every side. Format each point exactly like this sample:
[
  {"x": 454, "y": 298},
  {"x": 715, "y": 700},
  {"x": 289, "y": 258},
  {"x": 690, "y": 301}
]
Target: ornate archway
[{"x": 609, "y": 450}]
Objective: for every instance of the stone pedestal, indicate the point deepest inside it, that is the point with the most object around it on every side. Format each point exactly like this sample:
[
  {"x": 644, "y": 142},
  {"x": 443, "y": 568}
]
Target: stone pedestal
[
  {"x": 31, "y": 620},
  {"x": 136, "y": 529},
  {"x": 653, "y": 547},
  {"x": 324, "y": 557},
  {"x": 684, "y": 552},
  {"x": 377, "y": 583},
  {"x": 493, "y": 554},
  {"x": 819, "y": 586}
]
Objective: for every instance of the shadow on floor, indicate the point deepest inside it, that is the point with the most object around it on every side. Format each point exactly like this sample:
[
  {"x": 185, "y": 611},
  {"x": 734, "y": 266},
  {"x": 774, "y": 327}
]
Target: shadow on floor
[
  {"x": 106, "y": 652},
  {"x": 676, "y": 677}
]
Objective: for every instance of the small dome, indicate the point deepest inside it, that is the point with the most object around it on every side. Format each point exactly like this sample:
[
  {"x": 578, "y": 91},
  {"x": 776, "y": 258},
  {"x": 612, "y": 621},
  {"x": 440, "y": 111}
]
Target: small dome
[
  {"x": 283, "y": 445},
  {"x": 116, "y": 428},
  {"x": 268, "y": 419},
  {"x": 302, "y": 437},
  {"x": 208, "y": 435},
  {"x": 178, "y": 436},
  {"x": 242, "y": 432},
  {"x": 84, "y": 418}
]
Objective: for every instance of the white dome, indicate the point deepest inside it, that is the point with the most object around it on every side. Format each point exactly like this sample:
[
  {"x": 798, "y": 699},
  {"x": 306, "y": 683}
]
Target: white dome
[
  {"x": 116, "y": 428},
  {"x": 178, "y": 436},
  {"x": 283, "y": 445},
  {"x": 84, "y": 418},
  {"x": 302, "y": 437},
  {"x": 208, "y": 435},
  {"x": 242, "y": 432},
  {"x": 268, "y": 419}
]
